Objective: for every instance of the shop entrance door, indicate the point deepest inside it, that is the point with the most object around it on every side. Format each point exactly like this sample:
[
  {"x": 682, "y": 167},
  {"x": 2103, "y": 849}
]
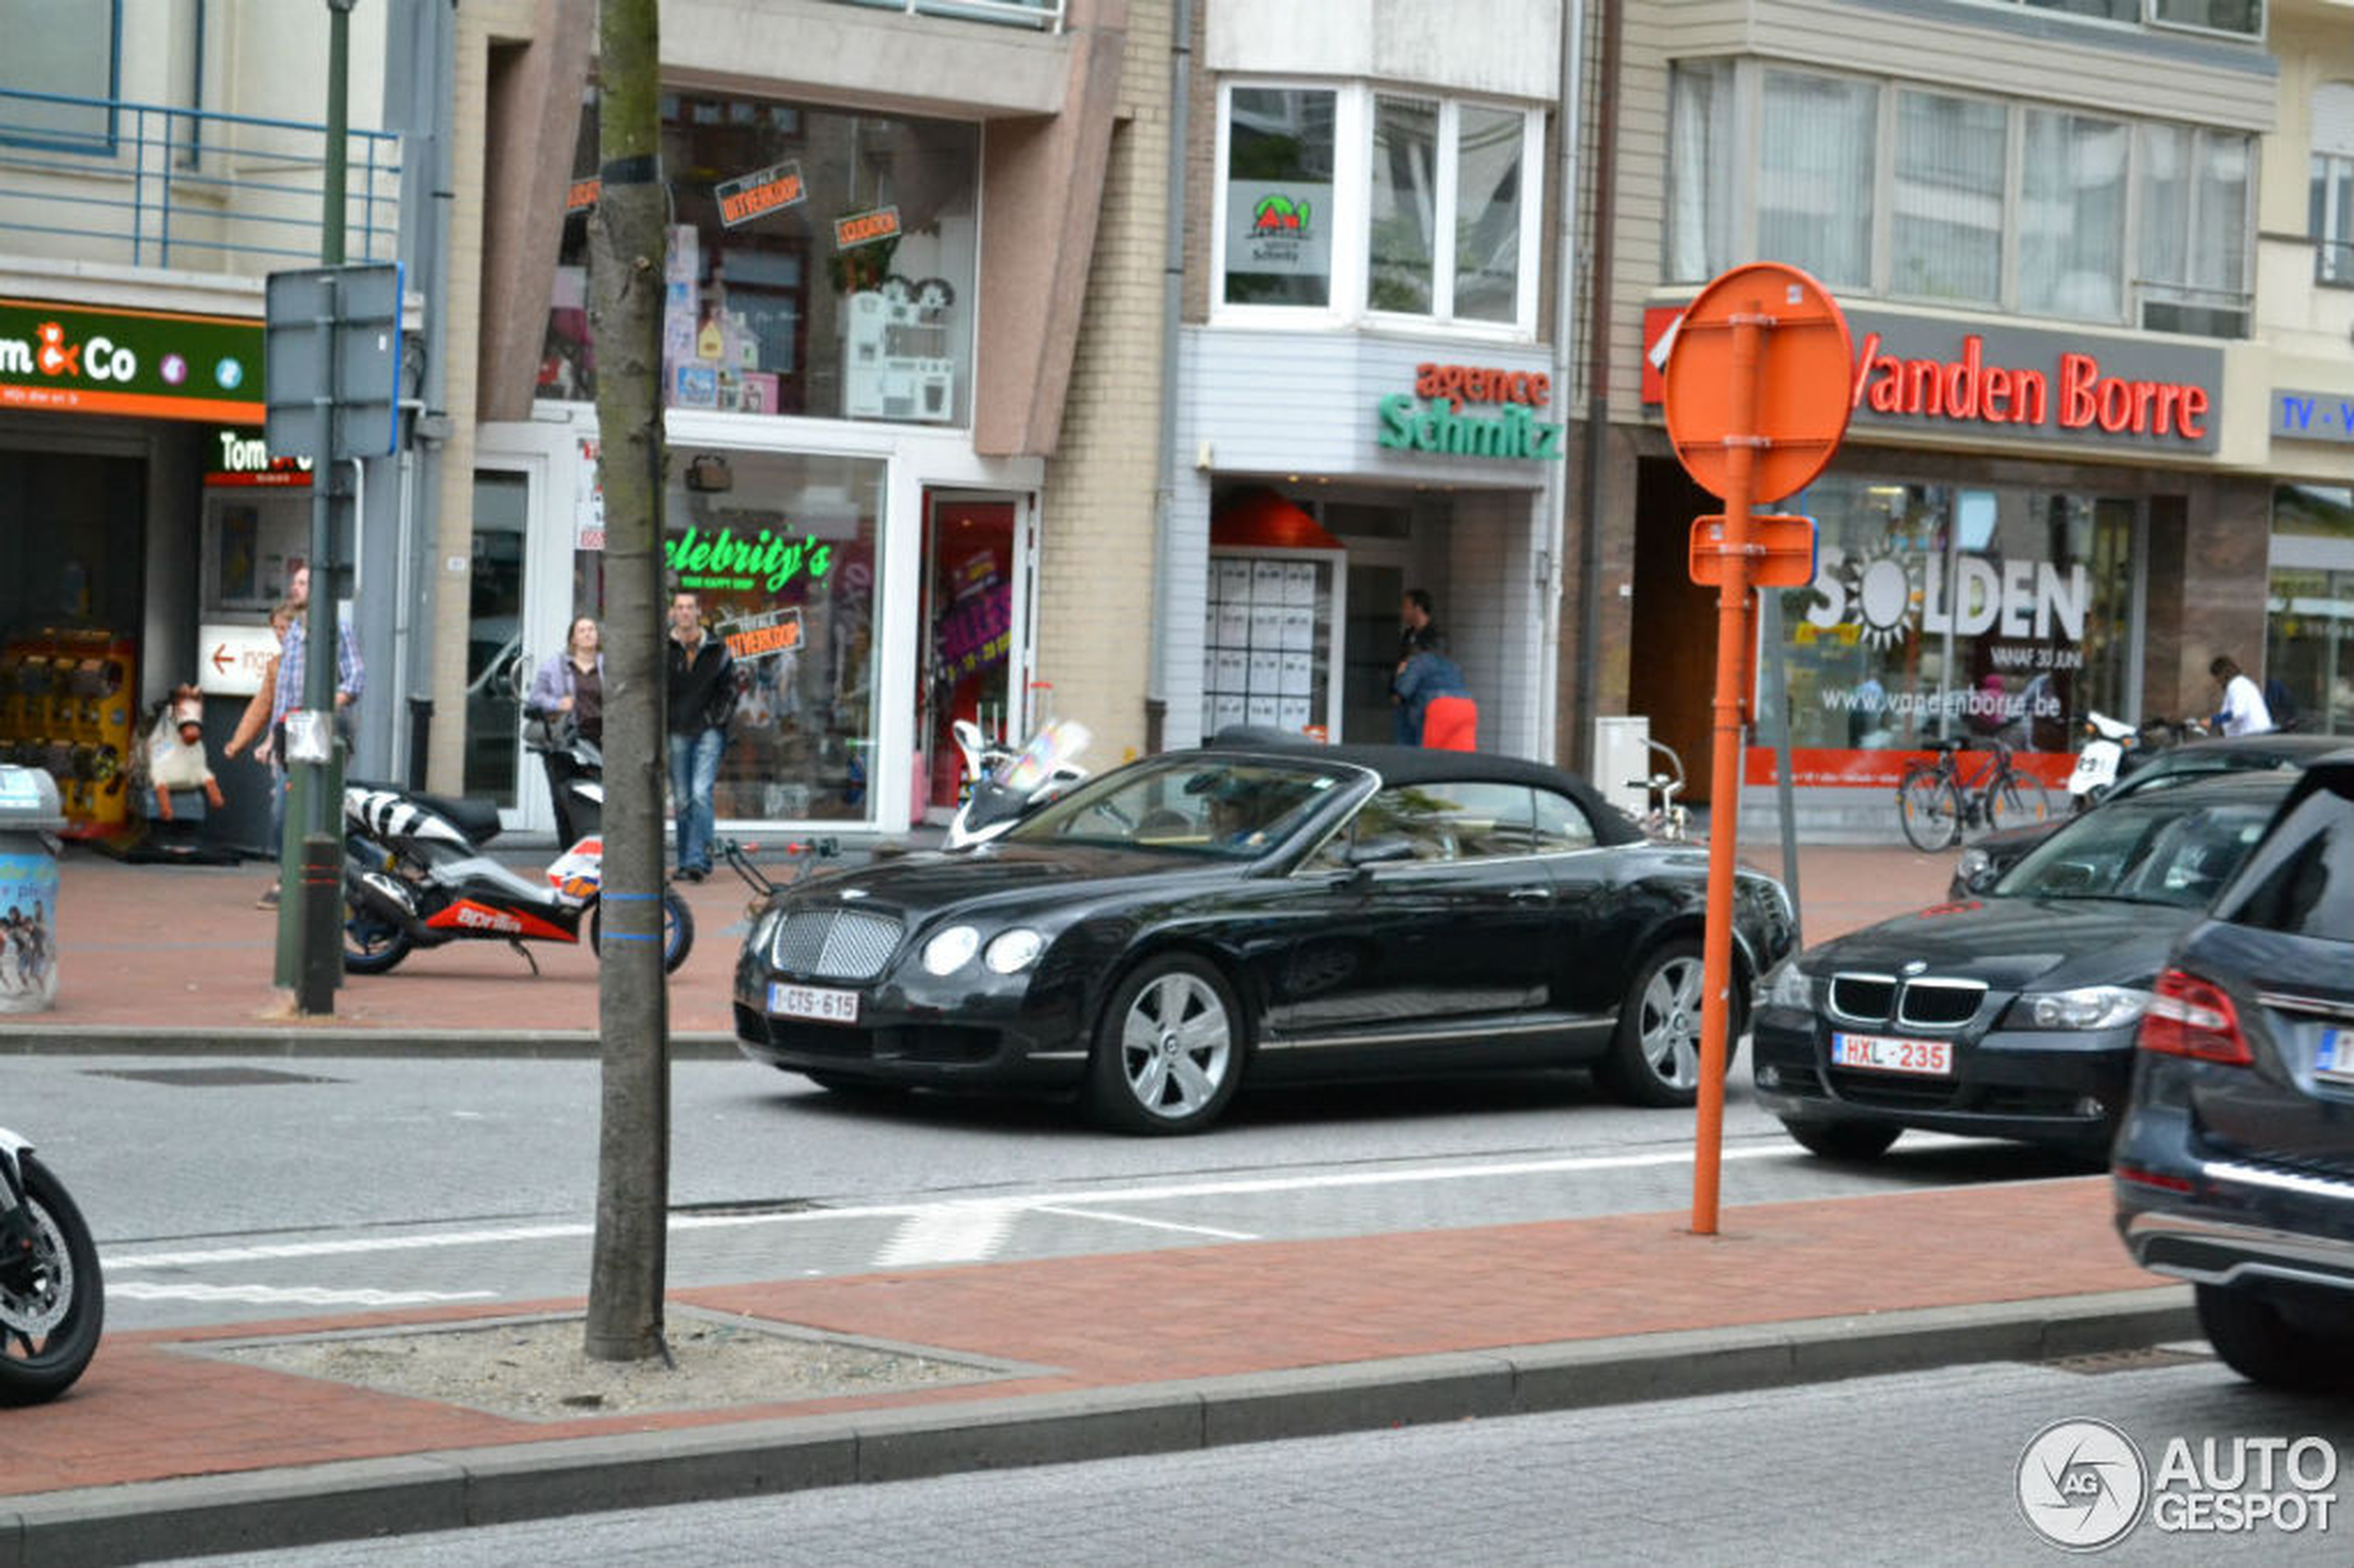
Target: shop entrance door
[
  {"x": 496, "y": 673},
  {"x": 979, "y": 576},
  {"x": 1369, "y": 652}
]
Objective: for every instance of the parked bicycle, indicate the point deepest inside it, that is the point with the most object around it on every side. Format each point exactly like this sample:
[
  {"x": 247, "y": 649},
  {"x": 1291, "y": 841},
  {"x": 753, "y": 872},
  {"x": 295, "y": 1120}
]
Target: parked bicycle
[
  {"x": 1664, "y": 818},
  {"x": 804, "y": 856},
  {"x": 1937, "y": 804}
]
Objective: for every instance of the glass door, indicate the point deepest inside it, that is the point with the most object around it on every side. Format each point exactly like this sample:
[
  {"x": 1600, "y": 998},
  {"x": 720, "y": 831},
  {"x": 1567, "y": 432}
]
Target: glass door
[
  {"x": 969, "y": 666},
  {"x": 496, "y": 672}
]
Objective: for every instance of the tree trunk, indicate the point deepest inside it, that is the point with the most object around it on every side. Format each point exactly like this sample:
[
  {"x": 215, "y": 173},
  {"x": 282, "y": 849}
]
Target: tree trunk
[{"x": 625, "y": 269}]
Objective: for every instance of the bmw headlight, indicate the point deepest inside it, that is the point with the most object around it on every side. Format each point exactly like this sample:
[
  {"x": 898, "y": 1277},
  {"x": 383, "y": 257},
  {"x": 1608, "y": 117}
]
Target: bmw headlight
[
  {"x": 2091, "y": 1007},
  {"x": 1790, "y": 987},
  {"x": 1011, "y": 952},
  {"x": 950, "y": 950}
]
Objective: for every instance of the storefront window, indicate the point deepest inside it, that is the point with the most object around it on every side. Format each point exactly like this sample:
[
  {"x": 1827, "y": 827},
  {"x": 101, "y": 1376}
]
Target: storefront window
[
  {"x": 1279, "y": 197},
  {"x": 820, "y": 262},
  {"x": 1943, "y": 612},
  {"x": 783, "y": 550},
  {"x": 2308, "y": 643}
]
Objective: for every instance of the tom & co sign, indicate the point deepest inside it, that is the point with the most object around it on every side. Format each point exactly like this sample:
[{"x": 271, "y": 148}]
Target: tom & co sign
[{"x": 2007, "y": 383}]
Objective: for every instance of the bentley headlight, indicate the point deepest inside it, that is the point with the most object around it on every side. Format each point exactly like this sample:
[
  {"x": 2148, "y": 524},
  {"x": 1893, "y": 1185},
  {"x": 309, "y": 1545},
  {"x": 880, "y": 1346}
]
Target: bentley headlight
[
  {"x": 1012, "y": 952},
  {"x": 764, "y": 930},
  {"x": 1791, "y": 987},
  {"x": 2092, "y": 1006},
  {"x": 950, "y": 950}
]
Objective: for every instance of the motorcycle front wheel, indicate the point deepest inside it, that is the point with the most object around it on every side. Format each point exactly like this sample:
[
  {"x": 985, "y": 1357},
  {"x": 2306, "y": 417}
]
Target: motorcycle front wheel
[
  {"x": 678, "y": 930},
  {"x": 52, "y": 1301}
]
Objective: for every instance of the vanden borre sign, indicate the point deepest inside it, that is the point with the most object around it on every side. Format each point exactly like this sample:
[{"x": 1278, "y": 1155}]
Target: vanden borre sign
[
  {"x": 1441, "y": 425},
  {"x": 2015, "y": 383},
  {"x": 158, "y": 364}
]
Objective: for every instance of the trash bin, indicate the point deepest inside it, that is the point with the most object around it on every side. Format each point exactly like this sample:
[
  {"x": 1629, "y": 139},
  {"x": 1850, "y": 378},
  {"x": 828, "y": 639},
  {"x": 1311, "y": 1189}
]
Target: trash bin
[{"x": 29, "y": 815}]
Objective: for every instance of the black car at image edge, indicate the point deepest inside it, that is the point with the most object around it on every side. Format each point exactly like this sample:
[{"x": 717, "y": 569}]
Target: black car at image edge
[
  {"x": 1193, "y": 920},
  {"x": 2235, "y": 1169}
]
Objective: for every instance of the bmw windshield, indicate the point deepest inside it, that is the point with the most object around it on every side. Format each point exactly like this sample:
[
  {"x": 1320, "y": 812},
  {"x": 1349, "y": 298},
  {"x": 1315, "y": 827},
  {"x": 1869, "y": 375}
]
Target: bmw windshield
[{"x": 1229, "y": 809}]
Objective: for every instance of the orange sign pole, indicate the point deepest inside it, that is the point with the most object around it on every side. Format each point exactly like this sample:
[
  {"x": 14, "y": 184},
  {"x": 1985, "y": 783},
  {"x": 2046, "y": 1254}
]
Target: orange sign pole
[
  {"x": 1757, "y": 381},
  {"x": 1741, "y": 442}
]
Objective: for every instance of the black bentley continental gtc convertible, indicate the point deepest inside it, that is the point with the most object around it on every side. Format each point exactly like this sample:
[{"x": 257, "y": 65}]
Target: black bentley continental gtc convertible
[{"x": 1270, "y": 913}]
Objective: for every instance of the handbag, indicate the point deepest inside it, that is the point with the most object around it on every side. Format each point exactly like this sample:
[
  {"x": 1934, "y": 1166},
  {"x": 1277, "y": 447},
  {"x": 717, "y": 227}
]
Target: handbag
[{"x": 547, "y": 732}]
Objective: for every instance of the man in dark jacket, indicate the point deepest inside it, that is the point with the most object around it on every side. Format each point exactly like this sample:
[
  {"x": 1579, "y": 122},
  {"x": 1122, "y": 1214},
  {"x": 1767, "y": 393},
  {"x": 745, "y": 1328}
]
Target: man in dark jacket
[{"x": 702, "y": 698}]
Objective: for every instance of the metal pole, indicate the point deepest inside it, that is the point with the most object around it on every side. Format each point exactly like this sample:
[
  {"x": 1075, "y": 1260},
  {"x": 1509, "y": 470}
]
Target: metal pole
[{"x": 317, "y": 898}]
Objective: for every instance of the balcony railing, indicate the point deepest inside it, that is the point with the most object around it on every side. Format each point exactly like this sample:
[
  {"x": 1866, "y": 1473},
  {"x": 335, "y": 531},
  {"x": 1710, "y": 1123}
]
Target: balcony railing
[
  {"x": 103, "y": 180},
  {"x": 1044, "y": 15}
]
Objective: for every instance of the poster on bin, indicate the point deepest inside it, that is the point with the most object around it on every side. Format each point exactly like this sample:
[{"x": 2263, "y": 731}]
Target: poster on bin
[{"x": 27, "y": 932}]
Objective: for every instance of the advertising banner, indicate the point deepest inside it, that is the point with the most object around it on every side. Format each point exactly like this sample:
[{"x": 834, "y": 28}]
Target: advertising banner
[{"x": 156, "y": 365}]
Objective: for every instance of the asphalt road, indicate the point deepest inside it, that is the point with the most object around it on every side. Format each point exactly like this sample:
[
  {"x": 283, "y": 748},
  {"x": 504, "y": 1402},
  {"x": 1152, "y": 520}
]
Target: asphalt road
[
  {"x": 229, "y": 1191},
  {"x": 1907, "y": 1471}
]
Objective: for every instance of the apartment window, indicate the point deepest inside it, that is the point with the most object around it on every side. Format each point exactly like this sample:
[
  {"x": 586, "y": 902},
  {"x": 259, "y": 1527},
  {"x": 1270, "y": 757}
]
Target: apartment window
[
  {"x": 1279, "y": 195},
  {"x": 2194, "y": 230},
  {"x": 1814, "y": 175},
  {"x": 2331, "y": 220},
  {"x": 1883, "y": 189},
  {"x": 2071, "y": 240},
  {"x": 1946, "y": 221},
  {"x": 2242, "y": 18},
  {"x": 45, "y": 55},
  {"x": 1349, "y": 202}
]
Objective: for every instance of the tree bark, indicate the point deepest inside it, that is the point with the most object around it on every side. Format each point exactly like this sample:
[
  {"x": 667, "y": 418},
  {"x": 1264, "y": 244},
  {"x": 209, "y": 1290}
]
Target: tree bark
[{"x": 625, "y": 268}]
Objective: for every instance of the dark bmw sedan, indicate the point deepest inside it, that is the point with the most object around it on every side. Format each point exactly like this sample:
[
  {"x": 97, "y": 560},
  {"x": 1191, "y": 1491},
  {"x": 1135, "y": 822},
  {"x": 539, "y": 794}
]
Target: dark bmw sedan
[
  {"x": 1184, "y": 924},
  {"x": 2235, "y": 1167},
  {"x": 2010, "y": 1015}
]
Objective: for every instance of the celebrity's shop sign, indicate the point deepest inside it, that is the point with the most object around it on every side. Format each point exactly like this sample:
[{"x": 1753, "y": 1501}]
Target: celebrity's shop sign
[
  {"x": 2011, "y": 383},
  {"x": 157, "y": 364}
]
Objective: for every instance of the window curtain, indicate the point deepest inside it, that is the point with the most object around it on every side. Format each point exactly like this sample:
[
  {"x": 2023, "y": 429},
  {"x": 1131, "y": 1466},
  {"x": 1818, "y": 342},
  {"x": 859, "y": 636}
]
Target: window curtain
[
  {"x": 1815, "y": 153},
  {"x": 1701, "y": 175},
  {"x": 1488, "y": 182},
  {"x": 1404, "y": 217},
  {"x": 2071, "y": 247},
  {"x": 1946, "y": 230}
]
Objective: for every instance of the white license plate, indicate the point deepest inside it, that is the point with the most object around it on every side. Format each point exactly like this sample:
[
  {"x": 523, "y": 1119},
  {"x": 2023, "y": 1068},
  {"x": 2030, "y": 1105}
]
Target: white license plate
[
  {"x": 2093, "y": 768},
  {"x": 1882, "y": 1053},
  {"x": 2333, "y": 1058},
  {"x": 812, "y": 1002}
]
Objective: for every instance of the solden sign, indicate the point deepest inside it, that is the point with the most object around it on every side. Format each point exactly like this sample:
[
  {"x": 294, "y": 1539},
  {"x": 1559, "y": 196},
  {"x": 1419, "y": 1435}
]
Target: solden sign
[{"x": 2008, "y": 383}]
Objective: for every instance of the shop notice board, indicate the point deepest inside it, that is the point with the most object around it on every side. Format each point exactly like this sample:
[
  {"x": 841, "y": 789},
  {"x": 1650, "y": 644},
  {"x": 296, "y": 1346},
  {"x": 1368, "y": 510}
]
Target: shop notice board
[{"x": 1268, "y": 655}]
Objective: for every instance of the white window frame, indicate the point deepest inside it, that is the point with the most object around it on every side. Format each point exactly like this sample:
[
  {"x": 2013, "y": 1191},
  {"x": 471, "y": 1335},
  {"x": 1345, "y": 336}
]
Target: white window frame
[{"x": 1352, "y": 214}]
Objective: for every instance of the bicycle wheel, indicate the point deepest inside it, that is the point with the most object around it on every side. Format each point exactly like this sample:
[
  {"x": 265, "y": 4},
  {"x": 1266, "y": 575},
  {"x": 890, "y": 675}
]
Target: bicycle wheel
[
  {"x": 1929, "y": 807},
  {"x": 2017, "y": 800}
]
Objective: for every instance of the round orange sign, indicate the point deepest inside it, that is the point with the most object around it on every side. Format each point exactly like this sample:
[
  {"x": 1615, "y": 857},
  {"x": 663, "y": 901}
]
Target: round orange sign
[{"x": 1797, "y": 399}]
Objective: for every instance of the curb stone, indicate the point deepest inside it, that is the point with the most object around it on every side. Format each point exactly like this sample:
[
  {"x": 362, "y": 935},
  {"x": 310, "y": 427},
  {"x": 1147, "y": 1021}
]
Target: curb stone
[
  {"x": 267, "y": 1040},
  {"x": 200, "y": 1515}
]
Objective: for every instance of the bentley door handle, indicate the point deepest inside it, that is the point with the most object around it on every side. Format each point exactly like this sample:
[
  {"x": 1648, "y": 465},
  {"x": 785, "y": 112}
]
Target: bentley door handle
[{"x": 1530, "y": 895}]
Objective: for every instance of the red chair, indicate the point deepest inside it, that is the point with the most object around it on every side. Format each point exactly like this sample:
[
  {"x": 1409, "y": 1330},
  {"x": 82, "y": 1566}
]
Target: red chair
[{"x": 1450, "y": 723}]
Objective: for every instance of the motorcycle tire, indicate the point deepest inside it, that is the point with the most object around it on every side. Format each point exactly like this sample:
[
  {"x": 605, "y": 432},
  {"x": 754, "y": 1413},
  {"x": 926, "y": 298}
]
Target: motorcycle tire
[
  {"x": 678, "y": 930},
  {"x": 53, "y": 1307},
  {"x": 370, "y": 945}
]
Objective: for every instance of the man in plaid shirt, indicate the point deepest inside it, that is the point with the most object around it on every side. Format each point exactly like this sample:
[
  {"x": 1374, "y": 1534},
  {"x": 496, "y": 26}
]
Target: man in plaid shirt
[{"x": 350, "y": 679}]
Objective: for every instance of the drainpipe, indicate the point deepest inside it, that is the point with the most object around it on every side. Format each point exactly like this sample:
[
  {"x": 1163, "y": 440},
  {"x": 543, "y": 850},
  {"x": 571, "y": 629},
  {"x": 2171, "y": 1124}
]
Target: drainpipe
[
  {"x": 1572, "y": 126},
  {"x": 1173, "y": 289},
  {"x": 1590, "y": 554}
]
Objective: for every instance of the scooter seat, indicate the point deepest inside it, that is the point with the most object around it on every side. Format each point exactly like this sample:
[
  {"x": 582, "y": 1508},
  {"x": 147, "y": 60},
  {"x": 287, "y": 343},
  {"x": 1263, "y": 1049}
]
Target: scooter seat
[{"x": 478, "y": 820}]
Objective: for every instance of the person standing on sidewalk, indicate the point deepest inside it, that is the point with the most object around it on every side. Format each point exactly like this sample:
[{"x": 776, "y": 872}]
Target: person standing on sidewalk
[
  {"x": 703, "y": 697},
  {"x": 2244, "y": 712},
  {"x": 350, "y": 680},
  {"x": 569, "y": 689}
]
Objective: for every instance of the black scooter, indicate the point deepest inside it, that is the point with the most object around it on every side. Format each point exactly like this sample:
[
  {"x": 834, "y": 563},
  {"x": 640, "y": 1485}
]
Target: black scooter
[{"x": 415, "y": 875}]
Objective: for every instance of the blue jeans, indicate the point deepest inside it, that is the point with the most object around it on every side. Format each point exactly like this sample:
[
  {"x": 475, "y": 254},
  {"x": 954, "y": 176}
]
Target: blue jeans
[{"x": 694, "y": 771}]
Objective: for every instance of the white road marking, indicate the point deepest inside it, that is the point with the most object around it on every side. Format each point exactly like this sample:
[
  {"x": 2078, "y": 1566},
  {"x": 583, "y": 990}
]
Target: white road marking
[
  {"x": 298, "y": 1295},
  {"x": 1137, "y": 1220},
  {"x": 949, "y": 1232},
  {"x": 1010, "y": 1205}
]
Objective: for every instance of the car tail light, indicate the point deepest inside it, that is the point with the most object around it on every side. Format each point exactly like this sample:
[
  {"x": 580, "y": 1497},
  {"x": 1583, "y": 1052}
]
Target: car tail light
[{"x": 2189, "y": 1018}]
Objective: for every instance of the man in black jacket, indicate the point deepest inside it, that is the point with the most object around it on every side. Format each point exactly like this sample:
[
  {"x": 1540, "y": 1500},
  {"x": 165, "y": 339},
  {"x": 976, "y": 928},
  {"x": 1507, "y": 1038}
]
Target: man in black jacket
[{"x": 703, "y": 697}]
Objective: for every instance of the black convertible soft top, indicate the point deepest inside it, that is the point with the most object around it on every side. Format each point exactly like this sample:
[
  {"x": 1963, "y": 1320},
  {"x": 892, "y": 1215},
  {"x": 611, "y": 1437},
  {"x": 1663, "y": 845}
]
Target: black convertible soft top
[{"x": 1414, "y": 765}]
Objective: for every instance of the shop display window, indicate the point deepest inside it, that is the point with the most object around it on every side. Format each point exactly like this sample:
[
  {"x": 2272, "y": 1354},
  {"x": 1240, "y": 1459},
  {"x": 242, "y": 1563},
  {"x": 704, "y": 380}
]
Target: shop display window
[
  {"x": 783, "y": 550},
  {"x": 2309, "y": 642},
  {"x": 1945, "y": 611},
  {"x": 1279, "y": 197},
  {"x": 820, "y": 262}
]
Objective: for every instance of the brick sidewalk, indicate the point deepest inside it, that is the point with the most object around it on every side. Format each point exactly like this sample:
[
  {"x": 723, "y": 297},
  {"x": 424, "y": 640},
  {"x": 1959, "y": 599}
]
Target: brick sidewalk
[
  {"x": 173, "y": 947},
  {"x": 148, "y": 1411}
]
